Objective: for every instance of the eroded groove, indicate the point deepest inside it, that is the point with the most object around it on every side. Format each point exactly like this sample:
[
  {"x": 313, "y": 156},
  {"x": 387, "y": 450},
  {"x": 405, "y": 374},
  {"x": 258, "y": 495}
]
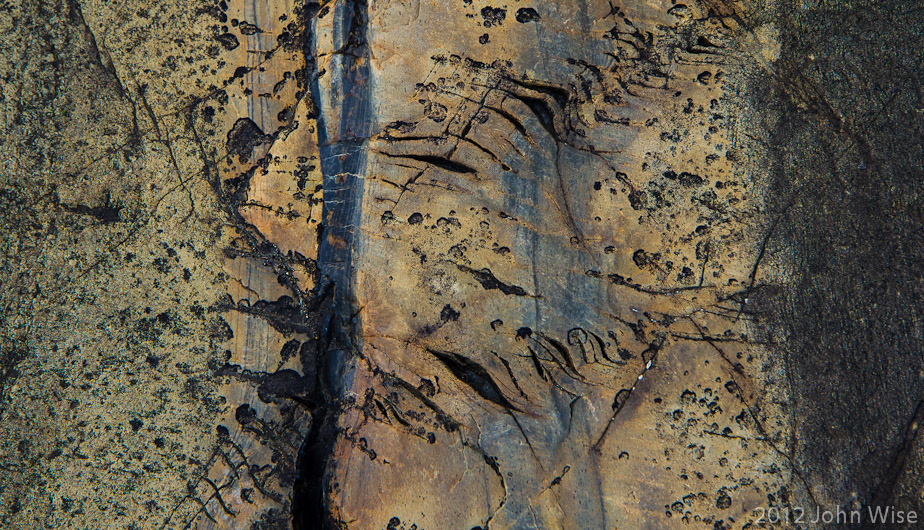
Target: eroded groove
[
  {"x": 441, "y": 162},
  {"x": 474, "y": 375},
  {"x": 487, "y": 280}
]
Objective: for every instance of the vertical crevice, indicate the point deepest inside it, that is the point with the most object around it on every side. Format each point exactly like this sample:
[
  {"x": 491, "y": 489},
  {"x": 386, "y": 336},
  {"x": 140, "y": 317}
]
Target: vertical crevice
[{"x": 341, "y": 95}]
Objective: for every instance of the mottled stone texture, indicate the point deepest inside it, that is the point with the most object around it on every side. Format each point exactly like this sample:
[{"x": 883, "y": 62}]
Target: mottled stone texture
[
  {"x": 155, "y": 347},
  {"x": 417, "y": 264}
]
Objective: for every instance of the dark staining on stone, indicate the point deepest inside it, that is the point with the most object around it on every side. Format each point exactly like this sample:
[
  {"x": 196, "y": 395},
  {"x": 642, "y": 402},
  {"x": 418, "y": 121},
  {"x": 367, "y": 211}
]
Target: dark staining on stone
[
  {"x": 220, "y": 330},
  {"x": 732, "y": 387},
  {"x": 284, "y": 315},
  {"x": 527, "y": 14},
  {"x": 487, "y": 280},
  {"x": 285, "y": 384},
  {"x": 493, "y": 16},
  {"x": 246, "y": 416},
  {"x": 484, "y": 39},
  {"x": 427, "y": 388},
  {"x": 272, "y": 519},
  {"x": 228, "y": 41},
  {"x": 289, "y": 349},
  {"x": 151, "y": 328},
  {"x": 107, "y": 213},
  {"x": 690, "y": 180},
  {"x": 638, "y": 199},
  {"x": 302, "y": 174},
  {"x": 221, "y": 96},
  {"x": 625, "y": 354},
  {"x": 685, "y": 178},
  {"x": 239, "y": 73},
  {"x": 286, "y": 115},
  {"x": 249, "y": 29},
  {"x": 243, "y": 137},
  {"x": 642, "y": 259},
  {"x": 673, "y": 136},
  {"x": 216, "y": 12},
  {"x": 396, "y": 524},
  {"x": 435, "y": 111},
  {"x": 723, "y": 501},
  {"x": 398, "y": 126},
  {"x": 448, "y": 314},
  {"x": 458, "y": 252},
  {"x": 448, "y": 223}
]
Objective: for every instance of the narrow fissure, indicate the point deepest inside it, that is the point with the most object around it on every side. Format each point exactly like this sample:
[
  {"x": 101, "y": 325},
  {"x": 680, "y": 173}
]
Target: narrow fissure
[{"x": 343, "y": 123}]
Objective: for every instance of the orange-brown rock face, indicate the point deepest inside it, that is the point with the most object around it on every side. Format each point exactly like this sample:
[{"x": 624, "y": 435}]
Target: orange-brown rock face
[{"x": 550, "y": 216}]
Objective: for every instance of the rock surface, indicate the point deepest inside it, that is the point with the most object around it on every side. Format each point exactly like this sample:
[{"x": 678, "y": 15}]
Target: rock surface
[{"x": 425, "y": 265}]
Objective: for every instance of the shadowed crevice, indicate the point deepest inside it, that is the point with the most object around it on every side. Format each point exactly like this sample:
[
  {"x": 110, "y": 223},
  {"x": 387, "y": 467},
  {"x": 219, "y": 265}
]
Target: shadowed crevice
[{"x": 344, "y": 120}]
